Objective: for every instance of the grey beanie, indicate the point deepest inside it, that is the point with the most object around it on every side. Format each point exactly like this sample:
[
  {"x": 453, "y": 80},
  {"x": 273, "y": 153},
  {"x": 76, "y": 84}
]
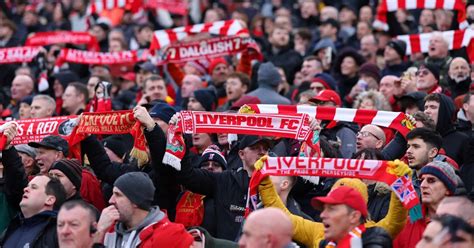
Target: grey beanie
[
  {"x": 138, "y": 188},
  {"x": 268, "y": 75}
]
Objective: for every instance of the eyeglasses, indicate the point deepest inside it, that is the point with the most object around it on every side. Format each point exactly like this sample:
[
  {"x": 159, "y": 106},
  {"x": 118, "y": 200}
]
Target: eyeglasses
[
  {"x": 422, "y": 72},
  {"x": 367, "y": 134}
]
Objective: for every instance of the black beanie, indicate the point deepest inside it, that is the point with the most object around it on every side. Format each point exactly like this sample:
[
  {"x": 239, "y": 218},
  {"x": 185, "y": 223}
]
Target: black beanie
[
  {"x": 72, "y": 169},
  {"x": 116, "y": 145},
  {"x": 207, "y": 98},
  {"x": 138, "y": 188}
]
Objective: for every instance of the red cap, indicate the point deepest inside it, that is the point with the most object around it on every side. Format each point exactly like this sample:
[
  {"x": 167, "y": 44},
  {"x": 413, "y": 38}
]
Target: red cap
[
  {"x": 342, "y": 195},
  {"x": 129, "y": 76},
  {"x": 328, "y": 96},
  {"x": 215, "y": 62}
]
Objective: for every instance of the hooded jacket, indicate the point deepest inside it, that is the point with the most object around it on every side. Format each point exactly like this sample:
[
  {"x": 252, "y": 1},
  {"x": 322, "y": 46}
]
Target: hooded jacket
[
  {"x": 453, "y": 140},
  {"x": 154, "y": 231}
]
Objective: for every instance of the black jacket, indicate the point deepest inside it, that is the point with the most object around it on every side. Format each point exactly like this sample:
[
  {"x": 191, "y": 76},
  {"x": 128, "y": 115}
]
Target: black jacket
[
  {"x": 378, "y": 203},
  {"x": 395, "y": 70},
  {"x": 286, "y": 58},
  {"x": 15, "y": 176},
  {"x": 453, "y": 140},
  {"x": 460, "y": 88},
  {"x": 228, "y": 189},
  {"x": 46, "y": 237}
]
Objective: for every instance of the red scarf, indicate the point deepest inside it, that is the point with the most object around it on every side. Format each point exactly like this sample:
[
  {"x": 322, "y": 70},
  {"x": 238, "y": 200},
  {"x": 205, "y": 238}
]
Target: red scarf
[
  {"x": 382, "y": 171},
  {"x": 97, "y": 58},
  {"x": 179, "y": 7},
  {"x": 396, "y": 120},
  {"x": 54, "y": 37},
  {"x": 386, "y": 6},
  {"x": 113, "y": 122},
  {"x": 18, "y": 54},
  {"x": 286, "y": 126},
  {"x": 352, "y": 239}
]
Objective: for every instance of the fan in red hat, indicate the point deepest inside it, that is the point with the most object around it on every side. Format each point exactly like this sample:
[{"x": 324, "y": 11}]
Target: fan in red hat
[{"x": 344, "y": 212}]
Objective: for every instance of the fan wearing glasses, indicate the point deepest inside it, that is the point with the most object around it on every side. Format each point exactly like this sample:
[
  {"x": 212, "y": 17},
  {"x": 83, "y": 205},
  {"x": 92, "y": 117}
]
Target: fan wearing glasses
[
  {"x": 427, "y": 79},
  {"x": 370, "y": 136}
]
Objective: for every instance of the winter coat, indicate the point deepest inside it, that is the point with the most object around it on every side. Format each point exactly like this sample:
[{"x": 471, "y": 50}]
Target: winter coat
[
  {"x": 15, "y": 176},
  {"x": 286, "y": 58},
  {"x": 228, "y": 189},
  {"x": 40, "y": 229},
  {"x": 395, "y": 70},
  {"x": 311, "y": 233},
  {"x": 379, "y": 200},
  {"x": 412, "y": 233},
  {"x": 154, "y": 231},
  {"x": 460, "y": 88},
  {"x": 453, "y": 140},
  {"x": 7, "y": 211},
  {"x": 267, "y": 95},
  {"x": 343, "y": 133}
]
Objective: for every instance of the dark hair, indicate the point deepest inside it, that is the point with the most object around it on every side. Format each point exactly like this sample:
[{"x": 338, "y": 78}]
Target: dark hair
[
  {"x": 467, "y": 98},
  {"x": 244, "y": 78},
  {"x": 433, "y": 97},
  {"x": 56, "y": 189},
  {"x": 93, "y": 212},
  {"x": 453, "y": 224},
  {"x": 304, "y": 33},
  {"x": 81, "y": 89},
  {"x": 425, "y": 119},
  {"x": 152, "y": 78},
  {"x": 362, "y": 219},
  {"x": 369, "y": 153},
  {"x": 428, "y": 136}
]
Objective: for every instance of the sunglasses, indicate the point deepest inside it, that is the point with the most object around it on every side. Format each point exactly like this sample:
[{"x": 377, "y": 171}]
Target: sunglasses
[{"x": 422, "y": 72}]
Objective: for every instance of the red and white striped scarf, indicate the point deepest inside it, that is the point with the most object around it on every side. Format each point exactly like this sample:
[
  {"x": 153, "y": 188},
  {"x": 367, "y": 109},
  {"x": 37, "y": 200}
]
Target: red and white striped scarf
[
  {"x": 353, "y": 239},
  {"x": 97, "y": 58},
  {"x": 54, "y": 37},
  {"x": 97, "y": 6},
  {"x": 393, "y": 5},
  {"x": 179, "y": 7},
  {"x": 18, "y": 54},
  {"x": 396, "y": 120},
  {"x": 163, "y": 38},
  {"x": 272, "y": 125}
]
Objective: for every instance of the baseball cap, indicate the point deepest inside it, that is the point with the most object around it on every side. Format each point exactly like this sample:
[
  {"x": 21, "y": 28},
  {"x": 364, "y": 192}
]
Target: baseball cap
[
  {"x": 251, "y": 140},
  {"x": 129, "y": 76},
  {"x": 146, "y": 66},
  {"x": 327, "y": 96},
  {"x": 52, "y": 142},
  {"x": 26, "y": 149},
  {"x": 342, "y": 195}
]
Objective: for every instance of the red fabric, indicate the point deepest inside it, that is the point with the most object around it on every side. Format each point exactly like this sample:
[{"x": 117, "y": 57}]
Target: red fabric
[
  {"x": 245, "y": 65},
  {"x": 165, "y": 234},
  {"x": 190, "y": 209},
  {"x": 91, "y": 191},
  {"x": 389, "y": 134},
  {"x": 216, "y": 62},
  {"x": 411, "y": 233},
  {"x": 176, "y": 73}
]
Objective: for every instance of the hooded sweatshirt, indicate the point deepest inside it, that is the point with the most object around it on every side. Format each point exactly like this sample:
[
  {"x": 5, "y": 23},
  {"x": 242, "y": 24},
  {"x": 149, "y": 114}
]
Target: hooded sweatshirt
[
  {"x": 453, "y": 140},
  {"x": 130, "y": 238}
]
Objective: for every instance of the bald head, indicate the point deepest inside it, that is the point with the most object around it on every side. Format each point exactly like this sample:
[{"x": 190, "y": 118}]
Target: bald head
[
  {"x": 459, "y": 69},
  {"x": 328, "y": 12},
  {"x": 370, "y": 136},
  {"x": 387, "y": 86},
  {"x": 190, "y": 84},
  {"x": 22, "y": 86},
  {"x": 459, "y": 206},
  {"x": 268, "y": 227}
]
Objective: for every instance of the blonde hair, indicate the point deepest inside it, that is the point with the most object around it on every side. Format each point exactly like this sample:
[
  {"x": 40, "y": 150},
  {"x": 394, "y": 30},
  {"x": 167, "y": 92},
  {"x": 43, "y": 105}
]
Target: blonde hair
[{"x": 380, "y": 103}]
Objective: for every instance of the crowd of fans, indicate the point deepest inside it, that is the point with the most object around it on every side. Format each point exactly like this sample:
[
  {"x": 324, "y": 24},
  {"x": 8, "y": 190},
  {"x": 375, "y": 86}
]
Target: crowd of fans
[{"x": 314, "y": 52}]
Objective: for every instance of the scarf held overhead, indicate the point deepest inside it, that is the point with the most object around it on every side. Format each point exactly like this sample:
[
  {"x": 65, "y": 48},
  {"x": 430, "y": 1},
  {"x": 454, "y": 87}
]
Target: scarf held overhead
[
  {"x": 97, "y": 58},
  {"x": 54, "y": 37},
  {"x": 210, "y": 48},
  {"x": 376, "y": 170},
  {"x": 396, "y": 120},
  {"x": 163, "y": 38},
  {"x": 285, "y": 126},
  {"x": 386, "y": 6},
  {"x": 113, "y": 122},
  {"x": 18, "y": 54}
]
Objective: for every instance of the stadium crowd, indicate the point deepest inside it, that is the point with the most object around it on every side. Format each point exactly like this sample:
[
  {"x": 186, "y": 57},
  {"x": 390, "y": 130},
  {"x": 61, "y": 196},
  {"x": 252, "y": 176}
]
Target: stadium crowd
[{"x": 63, "y": 61}]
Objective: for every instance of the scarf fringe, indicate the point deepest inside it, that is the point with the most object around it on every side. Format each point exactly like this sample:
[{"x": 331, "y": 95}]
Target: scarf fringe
[{"x": 140, "y": 155}]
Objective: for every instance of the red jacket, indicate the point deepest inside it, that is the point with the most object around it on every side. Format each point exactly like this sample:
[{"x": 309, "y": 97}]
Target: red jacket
[{"x": 411, "y": 233}]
